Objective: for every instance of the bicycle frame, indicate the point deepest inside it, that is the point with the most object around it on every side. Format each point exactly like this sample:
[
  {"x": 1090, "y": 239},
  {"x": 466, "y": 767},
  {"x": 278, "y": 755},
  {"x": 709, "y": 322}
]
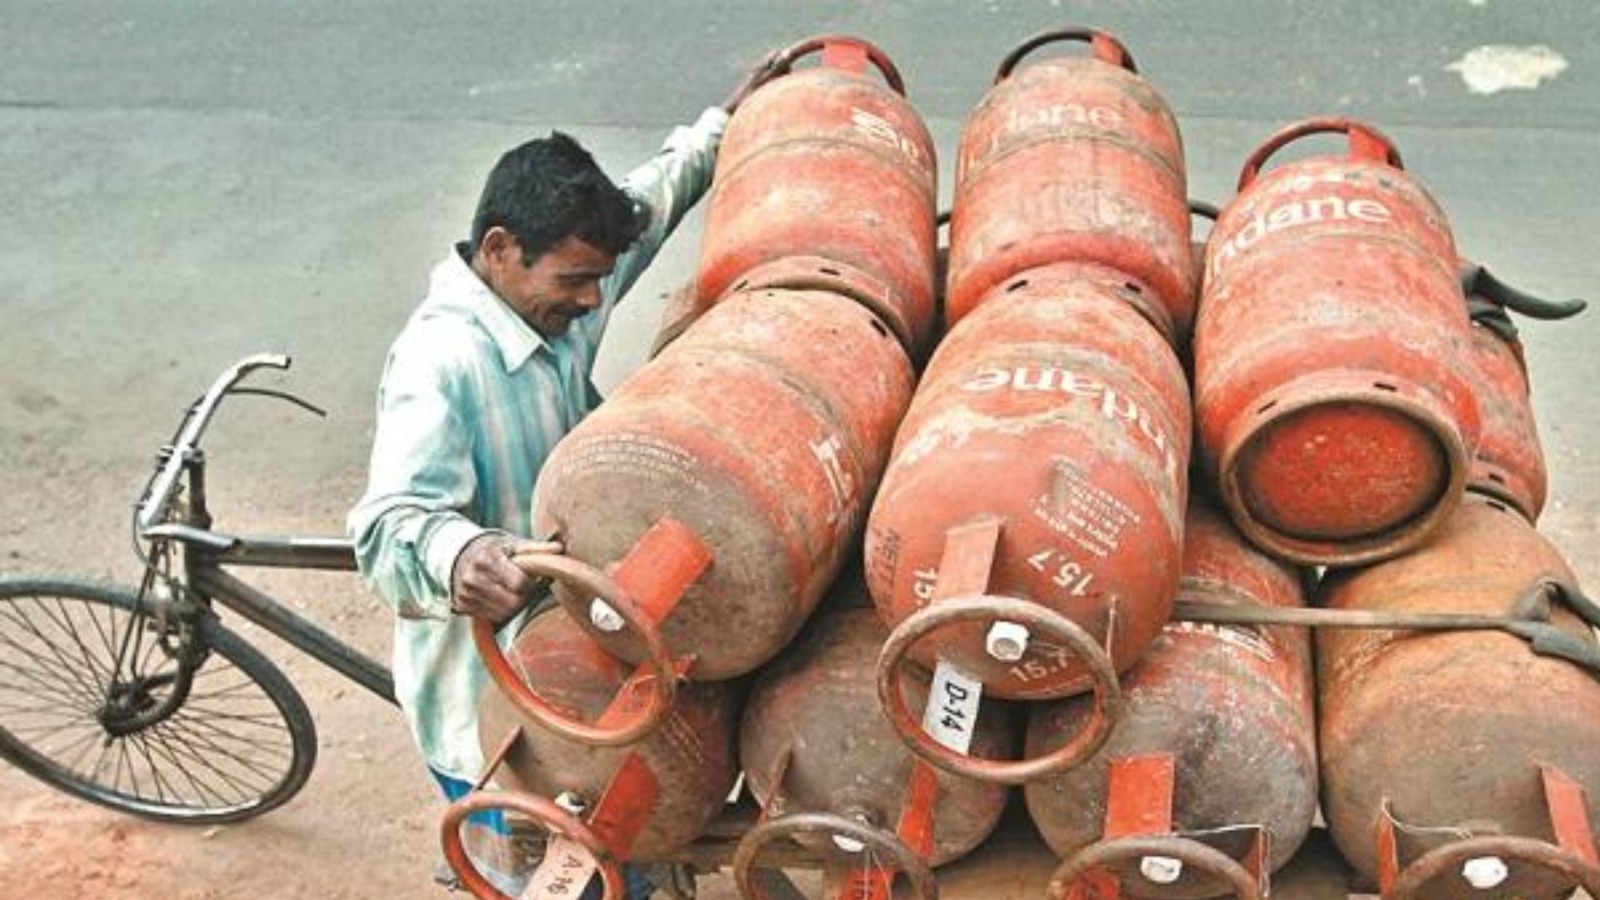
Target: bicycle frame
[{"x": 208, "y": 553}]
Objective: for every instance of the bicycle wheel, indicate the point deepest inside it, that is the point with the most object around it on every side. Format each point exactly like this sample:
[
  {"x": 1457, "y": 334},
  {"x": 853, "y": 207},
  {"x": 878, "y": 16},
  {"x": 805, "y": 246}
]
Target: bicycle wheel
[{"x": 240, "y": 743}]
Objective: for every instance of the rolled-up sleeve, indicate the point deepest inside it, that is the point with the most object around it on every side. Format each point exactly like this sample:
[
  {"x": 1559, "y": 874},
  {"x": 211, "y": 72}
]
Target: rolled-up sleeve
[{"x": 414, "y": 518}]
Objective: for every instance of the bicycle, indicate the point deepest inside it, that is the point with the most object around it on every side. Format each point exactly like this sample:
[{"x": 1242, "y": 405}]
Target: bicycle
[{"x": 142, "y": 700}]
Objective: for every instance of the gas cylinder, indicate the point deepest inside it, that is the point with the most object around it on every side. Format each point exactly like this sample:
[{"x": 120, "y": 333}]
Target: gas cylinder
[
  {"x": 1073, "y": 160},
  {"x": 617, "y": 803},
  {"x": 1455, "y": 764},
  {"x": 826, "y": 180},
  {"x": 814, "y": 739},
  {"x": 1509, "y": 464},
  {"x": 1043, "y": 460},
  {"x": 1332, "y": 388},
  {"x": 706, "y": 507},
  {"x": 1217, "y": 740}
]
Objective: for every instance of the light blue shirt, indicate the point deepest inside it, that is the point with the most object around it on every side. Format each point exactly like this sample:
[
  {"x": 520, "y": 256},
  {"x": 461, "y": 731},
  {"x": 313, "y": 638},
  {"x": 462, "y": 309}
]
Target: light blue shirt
[{"x": 471, "y": 403}]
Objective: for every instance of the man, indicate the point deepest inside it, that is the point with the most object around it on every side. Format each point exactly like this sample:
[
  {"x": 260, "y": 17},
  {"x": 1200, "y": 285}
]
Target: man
[{"x": 491, "y": 370}]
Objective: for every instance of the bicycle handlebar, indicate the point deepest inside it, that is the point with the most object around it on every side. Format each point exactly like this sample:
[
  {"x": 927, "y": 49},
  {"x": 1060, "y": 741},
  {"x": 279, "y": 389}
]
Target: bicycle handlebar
[{"x": 158, "y": 493}]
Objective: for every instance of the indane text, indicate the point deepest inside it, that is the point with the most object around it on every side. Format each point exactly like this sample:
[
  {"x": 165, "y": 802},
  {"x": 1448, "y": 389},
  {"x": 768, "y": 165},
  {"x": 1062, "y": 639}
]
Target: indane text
[
  {"x": 1113, "y": 406},
  {"x": 1301, "y": 212}
]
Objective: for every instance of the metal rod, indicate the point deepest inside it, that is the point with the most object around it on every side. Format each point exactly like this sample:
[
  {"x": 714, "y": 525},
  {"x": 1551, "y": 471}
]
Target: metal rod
[
  {"x": 264, "y": 551},
  {"x": 261, "y": 609},
  {"x": 1232, "y": 614}
]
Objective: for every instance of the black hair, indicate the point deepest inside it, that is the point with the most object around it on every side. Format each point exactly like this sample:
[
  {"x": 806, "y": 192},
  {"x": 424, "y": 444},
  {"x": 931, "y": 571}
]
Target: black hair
[{"x": 549, "y": 189}]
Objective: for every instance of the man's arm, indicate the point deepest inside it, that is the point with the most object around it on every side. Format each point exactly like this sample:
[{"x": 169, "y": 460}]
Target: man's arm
[
  {"x": 417, "y": 539},
  {"x": 668, "y": 186},
  {"x": 411, "y": 525}
]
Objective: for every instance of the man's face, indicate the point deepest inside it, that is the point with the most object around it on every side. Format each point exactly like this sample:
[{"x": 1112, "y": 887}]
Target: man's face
[{"x": 561, "y": 285}]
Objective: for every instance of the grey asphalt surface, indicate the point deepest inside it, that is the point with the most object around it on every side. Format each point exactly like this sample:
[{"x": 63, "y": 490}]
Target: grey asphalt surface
[{"x": 185, "y": 183}]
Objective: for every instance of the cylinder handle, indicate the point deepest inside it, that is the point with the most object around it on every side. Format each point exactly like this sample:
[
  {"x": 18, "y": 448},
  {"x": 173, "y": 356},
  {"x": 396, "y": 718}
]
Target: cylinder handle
[
  {"x": 823, "y": 42},
  {"x": 1040, "y": 620},
  {"x": 879, "y": 844},
  {"x": 1107, "y": 48},
  {"x": 627, "y": 719},
  {"x": 1366, "y": 143},
  {"x": 1189, "y": 852},
  {"x": 543, "y": 810}
]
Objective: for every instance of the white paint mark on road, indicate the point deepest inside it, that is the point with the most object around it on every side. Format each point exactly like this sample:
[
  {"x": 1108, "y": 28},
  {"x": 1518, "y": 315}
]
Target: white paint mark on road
[
  {"x": 1499, "y": 67},
  {"x": 561, "y": 71}
]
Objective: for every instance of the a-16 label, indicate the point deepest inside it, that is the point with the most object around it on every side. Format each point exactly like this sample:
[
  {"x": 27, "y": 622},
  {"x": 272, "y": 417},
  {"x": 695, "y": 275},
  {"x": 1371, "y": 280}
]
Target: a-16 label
[{"x": 564, "y": 873}]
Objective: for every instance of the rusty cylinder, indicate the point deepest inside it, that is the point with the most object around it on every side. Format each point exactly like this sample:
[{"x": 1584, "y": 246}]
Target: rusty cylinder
[
  {"x": 1073, "y": 160},
  {"x": 826, "y": 180},
  {"x": 763, "y": 448},
  {"x": 1229, "y": 705},
  {"x": 1509, "y": 464},
  {"x": 814, "y": 739},
  {"x": 1057, "y": 410},
  {"x": 682, "y": 772},
  {"x": 1335, "y": 409},
  {"x": 1445, "y": 735}
]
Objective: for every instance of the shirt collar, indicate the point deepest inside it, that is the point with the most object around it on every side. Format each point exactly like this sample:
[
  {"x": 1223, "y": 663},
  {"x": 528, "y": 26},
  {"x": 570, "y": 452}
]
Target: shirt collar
[{"x": 454, "y": 281}]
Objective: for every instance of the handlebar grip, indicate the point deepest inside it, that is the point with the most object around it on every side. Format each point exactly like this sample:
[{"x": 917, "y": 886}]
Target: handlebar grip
[{"x": 162, "y": 485}]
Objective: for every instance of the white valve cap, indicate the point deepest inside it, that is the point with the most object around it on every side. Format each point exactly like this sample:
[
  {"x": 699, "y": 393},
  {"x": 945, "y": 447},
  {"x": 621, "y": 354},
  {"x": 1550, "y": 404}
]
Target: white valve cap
[
  {"x": 848, "y": 845},
  {"x": 1485, "y": 872},
  {"x": 1007, "y": 641},
  {"x": 1161, "y": 869},
  {"x": 605, "y": 617}
]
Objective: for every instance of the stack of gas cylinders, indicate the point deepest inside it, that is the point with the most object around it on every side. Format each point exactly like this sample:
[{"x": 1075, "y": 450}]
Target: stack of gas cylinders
[{"x": 890, "y": 531}]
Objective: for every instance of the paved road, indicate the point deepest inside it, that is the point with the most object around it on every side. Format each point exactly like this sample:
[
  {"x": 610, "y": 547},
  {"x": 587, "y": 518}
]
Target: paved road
[{"x": 185, "y": 183}]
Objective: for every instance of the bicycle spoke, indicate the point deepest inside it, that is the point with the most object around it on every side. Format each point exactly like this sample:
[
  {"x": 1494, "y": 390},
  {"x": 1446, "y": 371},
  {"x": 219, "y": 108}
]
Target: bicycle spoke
[
  {"x": 218, "y": 741},
  {"x": 46, "y": 708},
  {"x": 138, "y": 740},
  {"x": 108, "y": 640},
  {"x": 227, "y": 734},
  {"x": 43, "y": 684},
  {"x": 191, "y": 764},
  {"x": 93, "y": 683},
  {"x": 66, "y": 664},
  {"x": 48, "y": 664},
  {"x": 204, "y": 761},
  {"x": 236, "y": 740},
  {"x": 103, "y": 673},
  {"x": 200, "y": 790}
]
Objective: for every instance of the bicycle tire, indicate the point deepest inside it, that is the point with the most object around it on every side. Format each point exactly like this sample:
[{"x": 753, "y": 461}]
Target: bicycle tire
[{"x": 58, "y": 640}]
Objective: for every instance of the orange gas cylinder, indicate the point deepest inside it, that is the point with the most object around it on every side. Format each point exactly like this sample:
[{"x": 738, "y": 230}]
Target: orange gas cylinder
[
  {"x": 599, "y": 806},
  {"x": 1462, "y": 763},
  {"x": 813, "y": 739},
  {"x": 1332, "y": 387},
  {"x": 826, "y": 180},
  {"x": 1073, "y": 160},
  {"x": 1043, "y": 463},
  {"x": 1215, "y": 759},
  {"x": 707, "y": 506},
  {"x": 1510, "y": 462}
]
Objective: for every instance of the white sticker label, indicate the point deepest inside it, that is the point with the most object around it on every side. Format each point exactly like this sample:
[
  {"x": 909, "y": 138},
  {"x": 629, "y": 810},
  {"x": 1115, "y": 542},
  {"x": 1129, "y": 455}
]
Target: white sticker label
[
  {"x": 952, "y": 713},
  {"x": 564, "y": 873}
]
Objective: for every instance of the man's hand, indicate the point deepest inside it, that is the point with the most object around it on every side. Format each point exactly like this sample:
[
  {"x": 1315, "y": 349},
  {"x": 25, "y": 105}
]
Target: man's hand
[
  {"x": 771, "y": 66},
  {"x": 486, "y": 584}
]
